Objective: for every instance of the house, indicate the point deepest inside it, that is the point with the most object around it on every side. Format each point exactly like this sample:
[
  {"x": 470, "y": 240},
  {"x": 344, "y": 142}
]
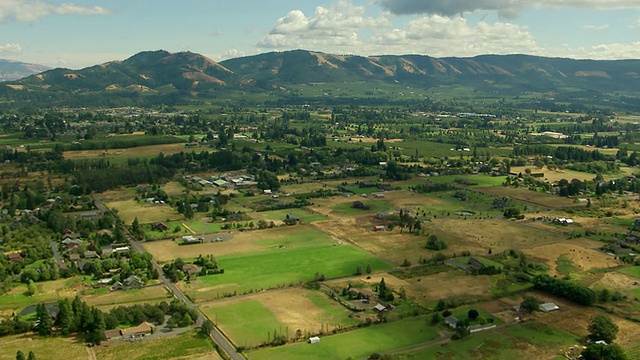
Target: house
[
  {"x": 188, "y": 240},
  {"x": 106, "y": 281},
  {"x": 89, "y": 215},
  {"x": 14, "y": 256},
  {"x": 452, "y": 321},
  {"x": 117, "y": 286},
  {"x": 91, "y": 255},
  {"x": 112, "y": 334},
  {"x": 379, "y": 228},
  {"x": 220, "y": 183},
  {"x": 548, "y": 307},
  {"x": 74, "y": 257},
  {"x": 313, "y": 340},
  {"x": 160, "y": 226},
  {"x": 474, "y": 264},
  {"x": 380, "y": 308},
  {"x": 140, "y": 331},
  {"x": 191, "y": 269},
  {"x": 133, "y": 282},
  {"x": 267, "y": 192},
  {"x": 292, "y": 217},
  {"x": 378, "y": 195}
]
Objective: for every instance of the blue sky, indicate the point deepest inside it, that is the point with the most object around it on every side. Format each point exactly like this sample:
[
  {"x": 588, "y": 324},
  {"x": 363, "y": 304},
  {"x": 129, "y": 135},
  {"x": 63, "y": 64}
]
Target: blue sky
[{"x": 77, "y": 33}]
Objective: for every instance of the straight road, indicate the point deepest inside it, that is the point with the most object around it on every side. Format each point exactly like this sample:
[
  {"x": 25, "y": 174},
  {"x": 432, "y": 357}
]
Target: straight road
[{"x": 217, "y": 335}]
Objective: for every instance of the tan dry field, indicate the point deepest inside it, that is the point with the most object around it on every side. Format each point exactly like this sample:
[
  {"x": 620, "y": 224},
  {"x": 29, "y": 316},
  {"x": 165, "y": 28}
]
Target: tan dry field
[
  {"x": 392, "y": 281},
  {"x": 584, "y": 259},
  {"x": 291, "y": 307},
  {"x": 49, "y": 348},
  {"x": 575, "y": 319},
  {"x": 152, "y": 294},
  {"x": 140, "y": 151},
  {"x": 130, "y": 209},
  {"x": 173, "y": 188},
  {"x": 449, "y": 285},
  {"x": 528, "y": 196},
  {"x": 496, "y": 234},
  {"x": 555, "y": 175},
  {"x": 614, "y": 281},
  {"x": 303, "y": 188},
  {"x": 373, "y": 140},
  {"x": 242, "y": 242}
]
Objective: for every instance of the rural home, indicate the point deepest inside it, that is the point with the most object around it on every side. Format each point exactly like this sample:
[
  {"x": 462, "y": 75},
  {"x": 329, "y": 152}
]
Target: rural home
[
  {"x": 117, "y": 286},
  {"x": 474, "y": 264},
  {"x": 14, "y": 256},
  {"x": 137, "y": 332},
  {"x": 191, "y": 269},
  {"x": 313, "y": 340},
  {"x": 452, "y": 321},
  {"x": 548, "y": 307},
  {"x": 133, "y": 282},
  {"x": 379, "y": 228},
  {"x": 160, "y": 226},
  {"x": 380, "y": 308}
]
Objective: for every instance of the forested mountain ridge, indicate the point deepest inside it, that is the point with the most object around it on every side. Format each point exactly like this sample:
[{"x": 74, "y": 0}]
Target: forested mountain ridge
[{"x": 157, "y": 77}]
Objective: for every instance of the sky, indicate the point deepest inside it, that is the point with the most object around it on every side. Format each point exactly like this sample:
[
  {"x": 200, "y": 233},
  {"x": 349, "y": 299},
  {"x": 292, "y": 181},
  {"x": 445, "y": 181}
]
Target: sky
[{"x": 80, "y": 33}]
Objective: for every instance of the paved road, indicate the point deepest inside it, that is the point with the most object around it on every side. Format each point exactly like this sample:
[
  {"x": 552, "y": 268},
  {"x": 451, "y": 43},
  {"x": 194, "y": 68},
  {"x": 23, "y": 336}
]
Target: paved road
[
  {"x": 56, "y": 255},
  {"x": 217, "y": 335}
]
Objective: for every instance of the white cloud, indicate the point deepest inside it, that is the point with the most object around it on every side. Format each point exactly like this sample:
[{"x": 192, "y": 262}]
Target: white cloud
[
  {"x": 596, "y": 27},
  {"x": 10, "y": 49},
  {"x": 232, "y": 53},
  {"x": 601, "y": 51},
  {"x": 506, "y": 8},
  {"x": 335, "y": 26},
  {"x": 33, "y": 10},
  {"x": 444, "y": 36}
]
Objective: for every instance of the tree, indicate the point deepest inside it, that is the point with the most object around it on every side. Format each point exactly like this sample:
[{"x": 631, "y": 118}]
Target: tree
[
  {"x": 603, "y": 352},
  {"x": 602, "y": 328},
  {"x": 529, "y": 304},
  {"x": 206, "y": 327},
  {"x": 32, "y": 288},
  {"x": 31, "y": 356},
  {"x": 359, "y": 270},
  {"x": 368, "y": 269},
  {"x": 473, "y": 314},
  {"x": 43, "y": 320},
  {"x": 435, "y": 243},
  {"x": 20, "y": 355}
]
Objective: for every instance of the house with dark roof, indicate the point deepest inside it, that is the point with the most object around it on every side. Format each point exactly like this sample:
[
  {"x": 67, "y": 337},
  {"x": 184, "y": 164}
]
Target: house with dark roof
[
  {"x": 452, "y": 321},
  {"x": 133, "y": 282}
]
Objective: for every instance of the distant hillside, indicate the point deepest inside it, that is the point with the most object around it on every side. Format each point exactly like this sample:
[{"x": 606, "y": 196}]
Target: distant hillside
[
  {"x": 15, "y": 70},
  {"x": 160, "y": 77}
]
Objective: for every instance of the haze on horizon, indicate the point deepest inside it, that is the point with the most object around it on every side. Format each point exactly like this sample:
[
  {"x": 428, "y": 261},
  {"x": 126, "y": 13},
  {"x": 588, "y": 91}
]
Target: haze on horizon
[{"x": 75, "y": 35}]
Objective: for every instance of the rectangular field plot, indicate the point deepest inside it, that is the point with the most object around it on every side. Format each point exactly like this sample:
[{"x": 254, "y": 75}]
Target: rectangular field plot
[
  {"x": 106, "y": 298},
  {"x": 51, "y": 348},
  {"x": 279, "y": 268},
  {"x": 130, "y": 209},
  {"x": 190, "y": 346},
  {"x": 357, "y": 343},
  {"x": 523, "y": 341},
  {"x": 18, "y": 298},
  {"x": 254, "y": 321},
  {"x": 278, "y": 216}
]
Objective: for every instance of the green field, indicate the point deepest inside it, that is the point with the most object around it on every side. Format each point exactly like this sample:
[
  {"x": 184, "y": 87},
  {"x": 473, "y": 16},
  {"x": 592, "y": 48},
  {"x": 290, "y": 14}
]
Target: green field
[
  {"x": 502, "y": 344},
  {"x": 631, "y": 271},
  {"x": 284, "y": 266},
  {"x": 17, "y": 298},
  {"x": 280, "y": 215},
  {"x": 355, "y": 344},
  {"x": 188, "y": 345},
  {"x": 247, "y": 322}
]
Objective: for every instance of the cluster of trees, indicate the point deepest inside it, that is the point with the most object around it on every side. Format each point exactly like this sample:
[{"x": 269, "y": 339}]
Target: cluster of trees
[
  {"x": 181, "y": 315},
  {"x": 573, "y": 291},
  {"x": 435, "y": 243},
  {"x": 384, "y": 292},
  {"x": 73, "y": 317},
  {"x": 175, "y": 269},
  {"x": 432, "y": 187}
]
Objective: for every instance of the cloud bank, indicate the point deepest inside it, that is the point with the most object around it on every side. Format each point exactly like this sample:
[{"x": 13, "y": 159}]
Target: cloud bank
[{"x": 34, "y": 10}]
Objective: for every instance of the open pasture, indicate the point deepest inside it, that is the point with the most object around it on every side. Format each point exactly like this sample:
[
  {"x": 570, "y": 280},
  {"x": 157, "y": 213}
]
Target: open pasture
[
  {"x": 294, "y": 189},
  {"x": 583, "y": 259},
  {"x": 278, "y": 216},
  {"x": 241, "y": 242},
  {"x": 454, "y": 285},
  {"x": 555, "y": 175},
  {"x": 107, "y": 299},
  {"x": 248, "y": 321},
  {"x": 187, "y": 346},
  {"x": 530, "y": 197},
  {"x": 355, "y": 344},
  {"x": 130, "y": 209},
  {"x": 530, "y": 340},
  {"x": 281, "y": 263},
  {"x": 123, "y": 154},
  {"x": 17, "y": 298},
  {"x": 48, "y": 348}
]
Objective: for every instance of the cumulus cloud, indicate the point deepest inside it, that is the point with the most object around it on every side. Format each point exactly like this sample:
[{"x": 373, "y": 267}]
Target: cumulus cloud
[
  {"x": 33, "y": 10},
  {"x": 506, "y": 8},
  {"x": 338, "y": 25},
  {"x": 444, "y": 36},
  {"x": 10, "y": 49}
]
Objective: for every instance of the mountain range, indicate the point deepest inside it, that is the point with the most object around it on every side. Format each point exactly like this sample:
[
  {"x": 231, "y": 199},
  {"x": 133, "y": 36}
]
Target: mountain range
[
  {"x": 160, "y": 76},
  {"x": 15, "y": 70}
]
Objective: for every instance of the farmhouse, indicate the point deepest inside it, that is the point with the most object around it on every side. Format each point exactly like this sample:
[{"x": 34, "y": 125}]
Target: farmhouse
[
  {"x": 88, "y": 215},
  {"x": 379, "y": 228},
  {"x": 188, "y": 240},
  {"x": 89, "y": 254},
  {"x": 474, "y": 264},
  {"x": 133, "y": 282},
  {"x": 313, "y": 340},
  {"x": 160, "y": 226},
  {"x": 548, "y": 307},
  {"x": 191, "y": 269},
  {"x": 452, "y": 321},
  {"x": 380, "y": 308},
  {"x": 139, "y": 331},
  {"x": 14, "y": 256},
  {"x": 220, "y": 183}
]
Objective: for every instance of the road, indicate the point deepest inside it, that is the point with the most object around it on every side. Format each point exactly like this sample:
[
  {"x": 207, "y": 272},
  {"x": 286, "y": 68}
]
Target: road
[
  {"x": 216, "y": 334},
  {"x": 56, "y": 255}
]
